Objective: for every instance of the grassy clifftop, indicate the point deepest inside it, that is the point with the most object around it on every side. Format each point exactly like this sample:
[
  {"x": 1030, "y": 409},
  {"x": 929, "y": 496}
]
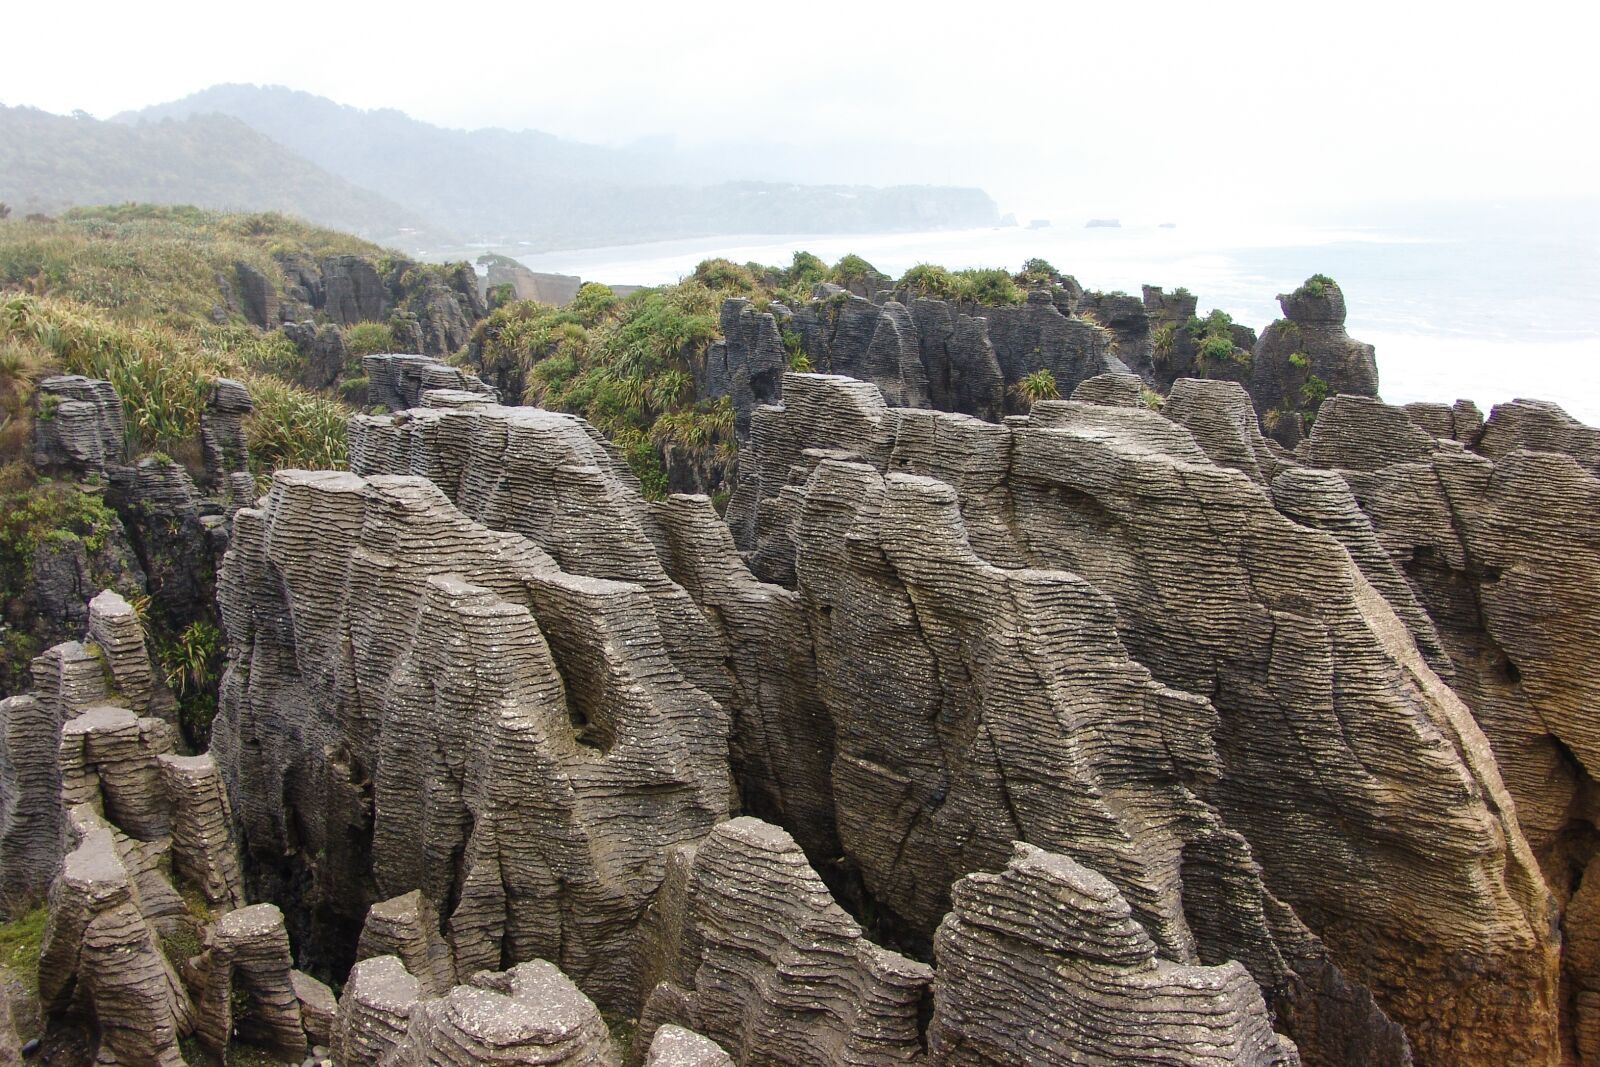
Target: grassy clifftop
[{"x": 147, "y": 263}]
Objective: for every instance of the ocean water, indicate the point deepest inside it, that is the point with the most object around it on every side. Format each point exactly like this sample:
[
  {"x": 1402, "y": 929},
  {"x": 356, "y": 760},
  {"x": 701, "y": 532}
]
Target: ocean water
[{"x": 1487, "y": 303}]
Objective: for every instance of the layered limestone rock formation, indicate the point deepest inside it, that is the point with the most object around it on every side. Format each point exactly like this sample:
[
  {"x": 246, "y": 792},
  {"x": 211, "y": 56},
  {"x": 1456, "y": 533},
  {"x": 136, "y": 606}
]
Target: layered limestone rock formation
[
  {"x": 52, "y": 748},
  {"x": 398, "y": 381},
  {"x": 1051, "y": 934},
  {"x": 415, "y": 701},
  {"x": 1305, "y": 356},
  {"x": 552, "y": 479},
  {"x": 1218, "y": 595},
  {"x": 1494, "y": 546},
  {"x": 77, "y": 425},
  {"x": 750, "y": 950},
  {"x": 919, "y": 352},
  {"x": 144, "y": 832},
  {"x": 530, "y": 1014},
  {"x": 222, "y": 439}
]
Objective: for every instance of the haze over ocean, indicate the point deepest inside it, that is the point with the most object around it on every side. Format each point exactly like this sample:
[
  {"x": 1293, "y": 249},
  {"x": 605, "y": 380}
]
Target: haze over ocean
[{"x": 1488, "y": 302}]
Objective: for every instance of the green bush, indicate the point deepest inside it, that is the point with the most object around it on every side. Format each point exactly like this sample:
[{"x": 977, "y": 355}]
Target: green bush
[
  {"x": 368, "y": 339},
  {"x": 1038, "y": 385},
  {"x": 1317, "y": 285}
]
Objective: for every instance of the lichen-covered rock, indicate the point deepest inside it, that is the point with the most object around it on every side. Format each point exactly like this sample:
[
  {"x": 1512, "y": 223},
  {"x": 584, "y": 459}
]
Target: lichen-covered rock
[
  {"x": 407, "y": 927},
  {"x": 102, "y": 962},
  {"x": 433, "y": 705},
  {"x": 374, "y": 1012},
  {"x": 752, "y": 952},
  {"x": 1055, "y": 936},
  {"x": 77, "y": 425},
  {"x": 673, "y": 1046},
  {"x": 531, "y": 1014}
]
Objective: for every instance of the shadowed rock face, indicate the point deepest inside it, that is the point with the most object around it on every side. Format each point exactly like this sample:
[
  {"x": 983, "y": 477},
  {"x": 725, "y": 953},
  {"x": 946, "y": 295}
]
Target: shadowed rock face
[
  {"x": 1324, "y": 705},
  {"x": 552, "y": 479},
  {"x": 1056, "y": 936},
  {"x": 397, "y": 381},
  {"x": 918, "y": 352},
  {"x": 1497, "y": 547},
  {"x": 751, "y": 951},
  {"x": 1312, "y": 329},
  {"x": 414, "y": 701}
]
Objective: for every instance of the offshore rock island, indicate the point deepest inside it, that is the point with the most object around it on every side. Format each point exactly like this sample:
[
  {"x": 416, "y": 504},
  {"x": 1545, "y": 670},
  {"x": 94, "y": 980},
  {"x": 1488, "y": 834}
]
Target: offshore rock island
[{"x": 794, "y": 666}]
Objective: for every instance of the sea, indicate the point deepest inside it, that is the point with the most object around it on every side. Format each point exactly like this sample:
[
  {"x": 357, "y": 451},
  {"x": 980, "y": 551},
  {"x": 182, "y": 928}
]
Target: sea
[{"x": 1487, "y": 302}]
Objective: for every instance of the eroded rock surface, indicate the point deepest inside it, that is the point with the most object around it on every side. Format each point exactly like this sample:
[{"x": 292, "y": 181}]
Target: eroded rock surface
[
  {"x": 1053, "y": 935},
  {"x": 416, "y": 701},
  {"x": 751, "y": 951},
  {"x": 1217, "y": 594}
]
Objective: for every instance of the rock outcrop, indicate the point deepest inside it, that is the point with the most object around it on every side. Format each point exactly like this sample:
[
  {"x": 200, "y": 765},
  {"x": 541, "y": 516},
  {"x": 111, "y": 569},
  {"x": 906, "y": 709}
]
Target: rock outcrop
[
  {"x": 415, "y": 701},
  {"x": 918, "y": 352},
  {"x": 1492, "y": 545},
  {"x": 397, "y": 381},
  {"x": 222, "y": 439},
  {"x": 752, "y": 952},
  {"x": 1264, "y": 618},
  {"x": 1306, "y": 356},
  {"x": 1054, "y": 935},
  {"x": 531, "y": 1014},
  {"x": 77, "y": 425}
]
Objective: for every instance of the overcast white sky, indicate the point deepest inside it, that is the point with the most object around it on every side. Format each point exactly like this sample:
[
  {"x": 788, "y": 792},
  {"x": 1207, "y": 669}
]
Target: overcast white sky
[{"x": 1150, "y": 104}]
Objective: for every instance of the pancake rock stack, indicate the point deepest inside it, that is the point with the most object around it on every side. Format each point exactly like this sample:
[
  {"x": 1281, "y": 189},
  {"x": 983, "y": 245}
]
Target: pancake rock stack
[{"x": 417, "y": 702}]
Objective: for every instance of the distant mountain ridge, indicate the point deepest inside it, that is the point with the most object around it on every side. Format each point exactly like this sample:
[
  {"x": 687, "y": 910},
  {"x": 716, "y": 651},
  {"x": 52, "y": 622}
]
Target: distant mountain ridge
[
  {"x": 52, "y": 162},
  {"x": 541, "y": 192}
]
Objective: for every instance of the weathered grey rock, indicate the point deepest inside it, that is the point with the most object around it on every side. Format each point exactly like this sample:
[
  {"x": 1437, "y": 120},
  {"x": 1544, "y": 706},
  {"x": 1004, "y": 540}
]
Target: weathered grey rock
[
  {"x": 322, "y": 351},
  {"x": 30, "y": 801},
  {"x": 397, "y": 381},
  {"x": 1499, "y": 554},
  {"x": 77, "y": 425},
  {"x": 752, "y": 952},
  {"x": 352, "y": 290},
  {"x": 1313, "y": 329},
  {"x": 1224, "y": 425},
  {"x": 109, "y": 761},
  {"x": 222, "y": 437},
  {"x": 374, "y": 1012},
  {"x": 114, "y": 629},
  {"x": 435, "y": 706},
  {"x": 67, "y": 678},
  {"x": 248, "y": 959},
  {"x": 203, "y": 850},
  {"x": 1325, "y": 707},
  {"x": 101, "y": 961},
  {"x": 408, "y": 927},
  {"x": 1045, "y": 963},
  {"x": 318, "y": 1007},
  {"x": 1112, "y": 390},
  {"x": 531, "y": 1014},
  {"x": 257, "y": 296},
  {"x": 673, "y": 1046},
  {"x": 1539, "y": 426}
]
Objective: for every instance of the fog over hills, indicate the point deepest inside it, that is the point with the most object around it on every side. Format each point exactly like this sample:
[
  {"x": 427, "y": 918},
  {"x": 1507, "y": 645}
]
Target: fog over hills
[{"x": 533, "y": 190}]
